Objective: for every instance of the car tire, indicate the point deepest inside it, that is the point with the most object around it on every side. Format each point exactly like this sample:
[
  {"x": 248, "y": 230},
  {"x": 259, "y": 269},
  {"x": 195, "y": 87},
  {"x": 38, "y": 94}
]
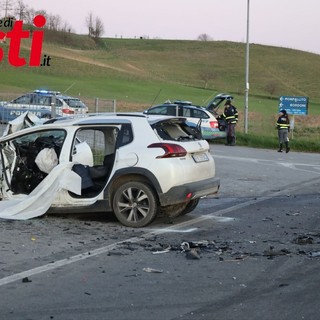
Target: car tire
[
  {"x": 190, "y": 206},
  {"x": 135, "y": 204}
]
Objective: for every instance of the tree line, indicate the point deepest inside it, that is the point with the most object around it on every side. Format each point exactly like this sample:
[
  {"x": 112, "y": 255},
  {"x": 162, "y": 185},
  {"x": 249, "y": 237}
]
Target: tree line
[{"x": 18, "y": 10}]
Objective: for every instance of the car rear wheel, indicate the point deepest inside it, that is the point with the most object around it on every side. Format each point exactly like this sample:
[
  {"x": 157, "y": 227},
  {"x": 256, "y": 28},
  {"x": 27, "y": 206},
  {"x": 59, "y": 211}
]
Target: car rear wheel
[
  {"x": 190, "y": 206},
  {"x": 135, "y": 204}
]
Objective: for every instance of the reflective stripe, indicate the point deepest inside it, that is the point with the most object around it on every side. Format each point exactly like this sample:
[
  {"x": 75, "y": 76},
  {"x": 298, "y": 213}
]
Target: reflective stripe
[{"x": 283, "y": 125}]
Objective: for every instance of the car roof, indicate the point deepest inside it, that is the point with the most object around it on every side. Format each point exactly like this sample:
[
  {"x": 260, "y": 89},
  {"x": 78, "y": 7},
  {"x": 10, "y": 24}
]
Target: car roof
[
  {"x": 189, "y": 106},
  {"x": 52, "y": 93},
  {"x": 192, "y": 107},
  {"x": 108, "y": 118},
  {"x": 95, "y": 119}
]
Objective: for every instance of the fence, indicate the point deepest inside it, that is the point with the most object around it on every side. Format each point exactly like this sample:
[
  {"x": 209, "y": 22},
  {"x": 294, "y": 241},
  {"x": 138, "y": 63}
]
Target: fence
[{"x": 97, "y": 105}]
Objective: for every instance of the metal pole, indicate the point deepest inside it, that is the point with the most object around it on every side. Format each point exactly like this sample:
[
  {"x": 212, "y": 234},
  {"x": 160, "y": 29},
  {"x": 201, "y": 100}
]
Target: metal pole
[
  {"x": 246, "y": 108},
  {"x": 96, "y": 105},
  {"x": 53, "y": 106}
]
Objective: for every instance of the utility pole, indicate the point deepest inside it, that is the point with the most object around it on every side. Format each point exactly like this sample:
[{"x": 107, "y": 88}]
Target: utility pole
[{"x": 246, "y": 108}]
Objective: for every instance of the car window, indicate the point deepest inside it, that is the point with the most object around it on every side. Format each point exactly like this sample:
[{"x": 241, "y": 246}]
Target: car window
[
  {"x": 42, "y": 100},
  {"x": 159, "y": 110},
  {"x": 125, "y": 135},
  {"x": 199, "y": 114},
  {"x": 45, "y": 100},
  {"x": 101, "y": 140},
  {"x": 74, "y": 103},
  {"x": 59, "y": 103},
  {"x": 26, "y": 99},
  {"x": 186, "y": 112},
  {"x": 48, "y": 137}
]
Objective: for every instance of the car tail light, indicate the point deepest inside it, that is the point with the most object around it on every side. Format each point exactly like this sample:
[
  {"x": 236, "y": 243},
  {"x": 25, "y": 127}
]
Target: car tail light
[
  {"x": 171, "y": 150},
  {"x": 214, "y": 124},
  {"x": 68, "y": 111}
]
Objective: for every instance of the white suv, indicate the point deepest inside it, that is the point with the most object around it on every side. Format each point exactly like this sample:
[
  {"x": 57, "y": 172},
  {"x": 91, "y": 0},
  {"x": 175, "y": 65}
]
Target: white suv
[{"x": 132, "y": 164}]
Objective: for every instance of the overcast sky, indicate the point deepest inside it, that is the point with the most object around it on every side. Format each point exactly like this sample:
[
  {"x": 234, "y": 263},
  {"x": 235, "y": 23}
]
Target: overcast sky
[{"x": 283, "y": 23}]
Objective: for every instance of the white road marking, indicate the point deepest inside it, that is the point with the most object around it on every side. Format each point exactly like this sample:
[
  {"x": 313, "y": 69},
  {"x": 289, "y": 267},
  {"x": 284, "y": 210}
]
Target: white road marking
[
  {"x": 290, "y": 165},
  {"x": 179, "y": 227},
  {"x": 171, "y": 230}
]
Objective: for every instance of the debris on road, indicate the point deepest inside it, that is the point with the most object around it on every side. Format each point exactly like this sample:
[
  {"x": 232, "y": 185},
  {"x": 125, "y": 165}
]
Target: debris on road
[
  {"x": 193, "y": 254},
  {"x": 271, "y": 252},
  {"x": 303, "y": 239},
  {"x": 151, "y": 270},
  {"x": 162, "y": 251}
]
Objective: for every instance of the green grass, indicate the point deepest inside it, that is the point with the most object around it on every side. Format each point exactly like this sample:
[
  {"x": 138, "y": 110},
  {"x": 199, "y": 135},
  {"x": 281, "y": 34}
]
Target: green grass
[{"x": 139, "y": 72}]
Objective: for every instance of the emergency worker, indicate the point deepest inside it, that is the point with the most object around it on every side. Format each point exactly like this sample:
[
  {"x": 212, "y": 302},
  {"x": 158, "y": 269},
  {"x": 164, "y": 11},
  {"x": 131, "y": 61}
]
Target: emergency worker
[
  {"x": 283, "y": 126},
  {"x": 230, "y": 115}
]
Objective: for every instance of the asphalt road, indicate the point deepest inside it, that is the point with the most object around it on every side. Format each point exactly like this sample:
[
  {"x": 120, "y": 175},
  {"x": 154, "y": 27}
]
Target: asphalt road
[{"x": 255, "y": 253}]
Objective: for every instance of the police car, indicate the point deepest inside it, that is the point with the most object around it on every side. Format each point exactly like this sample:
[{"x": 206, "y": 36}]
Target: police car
[
  {"x": 196, "y": 116},
  {"x": 42, "y": 103}
]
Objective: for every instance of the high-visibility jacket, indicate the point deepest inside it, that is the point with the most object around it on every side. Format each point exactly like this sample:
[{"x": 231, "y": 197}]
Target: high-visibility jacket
[
  {"x": 230, "y": 114},
  {"x": 283, "y": 123}
]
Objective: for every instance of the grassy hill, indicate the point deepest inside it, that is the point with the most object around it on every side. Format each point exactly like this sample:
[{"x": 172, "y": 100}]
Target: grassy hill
[{"x": 139, "y": 72}]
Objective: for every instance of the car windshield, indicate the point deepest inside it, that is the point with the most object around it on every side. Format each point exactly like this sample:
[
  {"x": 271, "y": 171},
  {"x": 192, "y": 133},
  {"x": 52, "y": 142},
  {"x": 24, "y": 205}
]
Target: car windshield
[{"x": 19, "y": 156}]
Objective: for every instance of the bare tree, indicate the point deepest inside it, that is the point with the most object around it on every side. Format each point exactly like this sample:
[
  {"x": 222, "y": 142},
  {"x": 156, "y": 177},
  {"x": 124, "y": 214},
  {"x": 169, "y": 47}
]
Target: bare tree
[
  {"x": 204, "y": 37},
  {"x": 29, "y": 15},
  {"x": 21, "y": 10},
  {"x": 8, "y": 7},
  {"x": 53, "y": 22},
  {"x": 90, "y": 24},
  {"x": 95, "y": 26},
  {"x": 99, "y": 28}
]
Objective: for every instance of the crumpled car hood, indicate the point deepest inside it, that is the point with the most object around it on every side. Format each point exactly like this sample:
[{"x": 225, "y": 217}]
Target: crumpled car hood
[{"x": 26, "y": 120}]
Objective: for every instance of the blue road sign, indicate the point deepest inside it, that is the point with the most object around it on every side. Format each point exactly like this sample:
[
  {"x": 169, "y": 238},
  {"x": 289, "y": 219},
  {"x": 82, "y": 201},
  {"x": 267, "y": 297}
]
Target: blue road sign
[{"x": 294, "y": 105}]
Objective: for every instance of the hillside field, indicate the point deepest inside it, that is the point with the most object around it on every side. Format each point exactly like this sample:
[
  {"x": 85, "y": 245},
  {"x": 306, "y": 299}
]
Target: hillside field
[{"x": 141, "y": 72}]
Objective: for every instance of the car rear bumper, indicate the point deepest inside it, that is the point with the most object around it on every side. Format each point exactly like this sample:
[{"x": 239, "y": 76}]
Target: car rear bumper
[{"x": 190, "y": 191}]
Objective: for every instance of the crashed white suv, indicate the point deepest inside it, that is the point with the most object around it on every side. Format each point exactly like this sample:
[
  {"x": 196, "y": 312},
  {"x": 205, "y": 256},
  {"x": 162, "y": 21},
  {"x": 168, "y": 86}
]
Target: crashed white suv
[{"x": 132, "y": 164}]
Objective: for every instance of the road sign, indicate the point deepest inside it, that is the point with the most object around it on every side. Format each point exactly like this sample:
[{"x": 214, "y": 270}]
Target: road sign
[{"x": 294, "y": 105}]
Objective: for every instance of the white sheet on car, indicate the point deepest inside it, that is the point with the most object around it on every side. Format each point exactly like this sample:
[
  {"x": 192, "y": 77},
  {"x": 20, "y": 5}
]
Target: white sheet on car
[{"x": 40, "y": 199}]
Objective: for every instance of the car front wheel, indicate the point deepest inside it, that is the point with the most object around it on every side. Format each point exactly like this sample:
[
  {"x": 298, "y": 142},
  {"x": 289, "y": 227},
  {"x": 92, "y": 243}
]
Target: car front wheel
[{"x": 135, "y": 204}]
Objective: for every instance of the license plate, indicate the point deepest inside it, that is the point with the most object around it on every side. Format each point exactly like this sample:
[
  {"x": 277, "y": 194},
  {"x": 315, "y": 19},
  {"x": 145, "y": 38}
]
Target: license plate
[{"x": 201, "y": 157}]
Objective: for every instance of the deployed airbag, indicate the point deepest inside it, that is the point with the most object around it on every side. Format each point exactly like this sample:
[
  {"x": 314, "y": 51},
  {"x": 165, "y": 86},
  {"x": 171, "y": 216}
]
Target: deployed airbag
[{"x": 46, "y": 159}]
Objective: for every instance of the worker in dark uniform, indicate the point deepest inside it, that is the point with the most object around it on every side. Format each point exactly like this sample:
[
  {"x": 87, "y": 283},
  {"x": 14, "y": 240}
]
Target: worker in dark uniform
[
  {"x": 283, "y": 126},
  {"x": 230, "y": 115}
]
